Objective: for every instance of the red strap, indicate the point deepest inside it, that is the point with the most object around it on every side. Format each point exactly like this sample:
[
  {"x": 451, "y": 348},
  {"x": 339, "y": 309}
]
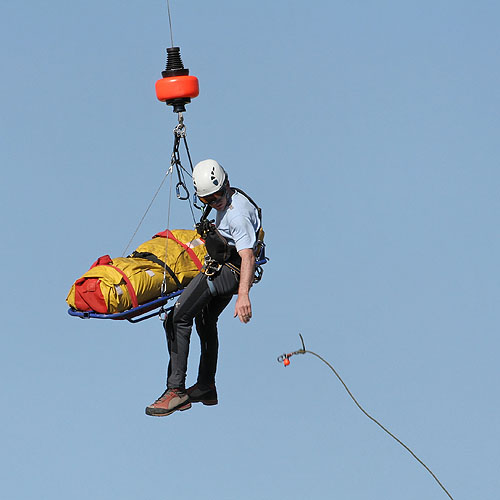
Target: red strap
[
  {"x": 130, "y": 288},
  {"x": 101, "y": 261},
  {"x": 190, "y": 251},
  {"x": 106, "y": 260}
]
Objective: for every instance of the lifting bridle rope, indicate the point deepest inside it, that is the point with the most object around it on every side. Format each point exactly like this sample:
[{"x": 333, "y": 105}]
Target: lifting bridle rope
[{"x": 175, "y": 162}]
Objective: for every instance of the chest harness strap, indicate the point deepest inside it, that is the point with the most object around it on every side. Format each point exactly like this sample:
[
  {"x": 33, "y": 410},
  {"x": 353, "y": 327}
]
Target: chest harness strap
[{"x": 220, "y": 252}]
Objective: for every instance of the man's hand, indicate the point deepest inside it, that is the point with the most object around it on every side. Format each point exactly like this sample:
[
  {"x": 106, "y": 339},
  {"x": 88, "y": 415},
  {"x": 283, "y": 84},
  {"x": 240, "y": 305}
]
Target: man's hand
[{"x": 243, "y": 307}]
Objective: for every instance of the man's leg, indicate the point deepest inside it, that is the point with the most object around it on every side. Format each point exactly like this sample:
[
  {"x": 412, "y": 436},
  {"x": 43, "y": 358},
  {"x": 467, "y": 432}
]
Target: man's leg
[
  {"x": 206, "y": 326},
  {"x": 178, "y": 328},
  {"x": 225, "y": 285}
]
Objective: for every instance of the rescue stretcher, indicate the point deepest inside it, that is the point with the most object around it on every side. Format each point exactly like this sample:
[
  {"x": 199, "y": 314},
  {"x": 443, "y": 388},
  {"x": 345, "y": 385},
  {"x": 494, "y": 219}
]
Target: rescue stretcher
[{"x": 149, "y": 309}]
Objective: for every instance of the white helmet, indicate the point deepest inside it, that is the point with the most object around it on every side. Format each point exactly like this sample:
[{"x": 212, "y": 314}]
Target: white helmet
[{"x": 208, "y": 177}]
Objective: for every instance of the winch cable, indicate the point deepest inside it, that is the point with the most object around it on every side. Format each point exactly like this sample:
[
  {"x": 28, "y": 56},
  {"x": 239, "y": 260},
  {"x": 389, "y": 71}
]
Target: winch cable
[
  {"x": 285, "y": 359},
  {"x": 170, "y": 24}
]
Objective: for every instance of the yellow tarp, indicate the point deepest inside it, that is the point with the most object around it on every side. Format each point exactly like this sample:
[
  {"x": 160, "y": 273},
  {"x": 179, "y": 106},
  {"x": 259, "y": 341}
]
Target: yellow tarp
[{"x": 115, "y": 285}]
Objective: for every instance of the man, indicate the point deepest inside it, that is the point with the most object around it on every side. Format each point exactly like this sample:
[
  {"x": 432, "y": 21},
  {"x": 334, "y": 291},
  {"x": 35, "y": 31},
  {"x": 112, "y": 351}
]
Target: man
[{"x": 229, "y": 268}]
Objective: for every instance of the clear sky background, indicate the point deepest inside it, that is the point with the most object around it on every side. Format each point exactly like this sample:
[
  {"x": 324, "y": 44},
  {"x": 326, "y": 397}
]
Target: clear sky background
[{"x": 368, "y": 132}]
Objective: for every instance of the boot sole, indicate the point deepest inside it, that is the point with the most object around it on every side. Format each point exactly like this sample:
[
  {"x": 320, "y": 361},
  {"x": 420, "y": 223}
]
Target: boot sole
[
  {"x": 153, "y": 411},
  {"x": 206, "y": 402}
]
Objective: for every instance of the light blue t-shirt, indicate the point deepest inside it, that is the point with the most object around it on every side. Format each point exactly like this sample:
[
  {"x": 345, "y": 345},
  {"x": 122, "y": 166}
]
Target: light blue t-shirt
[{"x": 239, "y": 222}]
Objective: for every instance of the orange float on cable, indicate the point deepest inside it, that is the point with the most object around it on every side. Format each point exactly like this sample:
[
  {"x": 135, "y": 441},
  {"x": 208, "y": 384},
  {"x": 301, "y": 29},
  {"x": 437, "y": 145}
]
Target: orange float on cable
[{"x": 177, "y": 87}]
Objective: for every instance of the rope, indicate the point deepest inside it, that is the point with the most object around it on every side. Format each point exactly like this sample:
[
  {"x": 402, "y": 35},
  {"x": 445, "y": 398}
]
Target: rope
[
  {"x": 164, "y": 282},
  {"x": 180, "y": 136},
  {"x": 175, "y": 161},
  {"x": 285, "y": 359},
  {"x": 145, "y": 213}
]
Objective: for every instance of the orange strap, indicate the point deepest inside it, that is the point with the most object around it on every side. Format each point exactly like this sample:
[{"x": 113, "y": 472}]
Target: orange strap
[
  {"x": 130, "y": 288},
  {"x": 190, "y": 251}
]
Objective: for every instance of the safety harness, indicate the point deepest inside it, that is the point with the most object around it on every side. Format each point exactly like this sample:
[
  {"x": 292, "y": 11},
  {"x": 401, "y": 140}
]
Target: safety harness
[{"x": 220, "y": 252}]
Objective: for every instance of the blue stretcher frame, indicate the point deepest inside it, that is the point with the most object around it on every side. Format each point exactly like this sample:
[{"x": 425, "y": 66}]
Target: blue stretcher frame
[{"x": 135, "y": 314}]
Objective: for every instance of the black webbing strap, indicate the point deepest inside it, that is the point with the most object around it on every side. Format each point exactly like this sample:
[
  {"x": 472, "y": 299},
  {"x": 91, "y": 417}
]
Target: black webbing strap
[
  {"x": 153, "y": 258},
  {"x": 259, "y": 210}
]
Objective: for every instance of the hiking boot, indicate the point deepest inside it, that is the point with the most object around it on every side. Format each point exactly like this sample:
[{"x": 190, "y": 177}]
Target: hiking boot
[
  {"x": 171, "y": 400},
  {"x": 206, "y": 394}
]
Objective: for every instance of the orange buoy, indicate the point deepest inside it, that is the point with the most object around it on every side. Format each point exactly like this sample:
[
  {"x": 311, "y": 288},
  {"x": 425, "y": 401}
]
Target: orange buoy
[
  {"x": 286, "y": 361},
  {"x": 177, "y": 87}
]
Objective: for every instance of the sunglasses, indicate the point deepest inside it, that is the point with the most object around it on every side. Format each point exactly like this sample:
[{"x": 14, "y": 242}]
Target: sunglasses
[{"x": 213, "y": 198}]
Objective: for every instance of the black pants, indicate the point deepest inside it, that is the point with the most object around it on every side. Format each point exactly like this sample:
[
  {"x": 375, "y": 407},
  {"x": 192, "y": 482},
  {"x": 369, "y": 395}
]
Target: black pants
[{"x": 203, "y": 304}]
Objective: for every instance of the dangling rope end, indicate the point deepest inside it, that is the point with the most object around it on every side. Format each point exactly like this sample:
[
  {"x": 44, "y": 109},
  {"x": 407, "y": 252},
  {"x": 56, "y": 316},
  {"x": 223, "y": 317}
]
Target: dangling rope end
[
  {"x": 285, "y": 359},
  {"x": 302, "y": 340}
]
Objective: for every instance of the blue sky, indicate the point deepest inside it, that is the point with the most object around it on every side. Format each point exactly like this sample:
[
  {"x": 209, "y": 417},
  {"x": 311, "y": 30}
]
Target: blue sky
[{"x": 368, "y": 132}]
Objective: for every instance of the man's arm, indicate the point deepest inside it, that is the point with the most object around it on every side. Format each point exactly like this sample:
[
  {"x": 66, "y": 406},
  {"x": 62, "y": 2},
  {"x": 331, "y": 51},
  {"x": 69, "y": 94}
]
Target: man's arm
[{"x": 243, "y": 308}]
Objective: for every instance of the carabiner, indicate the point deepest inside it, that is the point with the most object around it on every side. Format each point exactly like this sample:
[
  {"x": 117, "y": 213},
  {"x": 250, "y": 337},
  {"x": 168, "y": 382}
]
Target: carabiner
[
  {"x": 162, "y": 314},
  {"x": 178, "y": 191},
  {"x": 283, "y": 357},
  {"x": 195, "y": 198}
]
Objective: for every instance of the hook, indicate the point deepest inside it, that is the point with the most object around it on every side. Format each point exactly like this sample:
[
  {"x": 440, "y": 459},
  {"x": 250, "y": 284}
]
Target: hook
[{"x": 285, "y": 358}]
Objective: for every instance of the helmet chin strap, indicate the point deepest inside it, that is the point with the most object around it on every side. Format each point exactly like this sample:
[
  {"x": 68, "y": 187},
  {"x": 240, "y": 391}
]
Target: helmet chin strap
[{"x": 229, "y": 193}]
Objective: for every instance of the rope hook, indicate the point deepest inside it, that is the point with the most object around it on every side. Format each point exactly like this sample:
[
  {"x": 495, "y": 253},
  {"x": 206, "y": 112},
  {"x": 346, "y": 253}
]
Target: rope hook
[{"x": 285, "y": 358}]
